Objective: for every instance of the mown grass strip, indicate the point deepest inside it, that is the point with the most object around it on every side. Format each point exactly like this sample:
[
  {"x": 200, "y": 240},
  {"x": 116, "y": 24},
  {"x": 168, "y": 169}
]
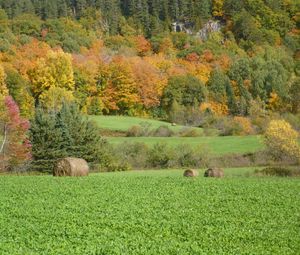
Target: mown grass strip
[{"x": 216, "y": 145}]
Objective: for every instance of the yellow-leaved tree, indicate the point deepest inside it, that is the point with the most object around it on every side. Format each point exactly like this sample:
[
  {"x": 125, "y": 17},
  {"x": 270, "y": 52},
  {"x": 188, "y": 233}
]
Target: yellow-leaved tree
[
  {"x": 55, "y": 70},
  {"x": 3, "y": 88},
  {"x": 54, "y": 98},
  {"x": 282, "y": 140}
]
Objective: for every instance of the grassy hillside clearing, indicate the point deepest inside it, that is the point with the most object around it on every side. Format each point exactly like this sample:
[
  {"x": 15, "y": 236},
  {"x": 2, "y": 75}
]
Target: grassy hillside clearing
[
  {"x": 155, "y": 212},
  {"x": 123, "y": 123},
  {"x": 216, "y": 145}
]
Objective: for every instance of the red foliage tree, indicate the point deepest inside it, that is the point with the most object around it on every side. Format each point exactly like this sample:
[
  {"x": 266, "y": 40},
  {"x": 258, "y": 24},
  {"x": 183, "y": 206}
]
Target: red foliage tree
[{"x": 15, "y": 147}]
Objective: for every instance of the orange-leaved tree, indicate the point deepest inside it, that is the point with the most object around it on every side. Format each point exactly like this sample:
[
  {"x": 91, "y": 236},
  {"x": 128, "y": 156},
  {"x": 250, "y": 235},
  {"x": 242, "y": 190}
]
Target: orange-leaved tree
[
  {"x": 119, "y": 91},
  {"x": 150, "y": 82}
]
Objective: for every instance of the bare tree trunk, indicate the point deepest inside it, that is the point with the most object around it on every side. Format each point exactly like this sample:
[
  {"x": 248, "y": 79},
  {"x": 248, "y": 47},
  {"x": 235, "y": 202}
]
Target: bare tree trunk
[
  {"x": 2, "y": 147},
  {"x": 4, "y": 139}
]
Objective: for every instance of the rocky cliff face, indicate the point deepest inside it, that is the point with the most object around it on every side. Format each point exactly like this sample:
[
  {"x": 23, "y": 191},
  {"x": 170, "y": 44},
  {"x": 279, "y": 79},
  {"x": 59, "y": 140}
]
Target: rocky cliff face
[
  {"x": 186, "y": 27},
  {"x": 210, "y": 27}
]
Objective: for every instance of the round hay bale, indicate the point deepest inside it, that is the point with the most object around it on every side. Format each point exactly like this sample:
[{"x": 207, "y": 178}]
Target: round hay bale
[
  {"x": 71, "y": 167},
  {"x": 190, "y": 173},
  {"x": 214, "y": 172}
]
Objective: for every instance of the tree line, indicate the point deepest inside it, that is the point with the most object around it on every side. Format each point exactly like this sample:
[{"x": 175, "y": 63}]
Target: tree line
[{"x": 157, "y": 15}]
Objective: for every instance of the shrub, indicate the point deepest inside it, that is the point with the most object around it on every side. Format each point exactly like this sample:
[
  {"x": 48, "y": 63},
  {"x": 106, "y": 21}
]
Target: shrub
[
  {"x": 135, "y": 154},
  {"x": 282, "y": 140},
  {"x": 187, "y": 156},
  {"x": 190, "y": 132},
  {"x": 244, "y": 126},
  {"x": 115, "y": 167},
  {"x": 146, "y": 128},
  {"x": 134, "y": 131},
  {"x": 278, "y": 171},
  {"x": 228, "y": 127},
  {"x": 163, "y": 131},
  {"x": 160, "y": 155},
  {"x": 143, "y": 129}
]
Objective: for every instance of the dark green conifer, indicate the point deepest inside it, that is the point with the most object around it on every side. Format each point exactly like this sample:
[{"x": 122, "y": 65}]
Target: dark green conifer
[{"x": 66, "y": 133}]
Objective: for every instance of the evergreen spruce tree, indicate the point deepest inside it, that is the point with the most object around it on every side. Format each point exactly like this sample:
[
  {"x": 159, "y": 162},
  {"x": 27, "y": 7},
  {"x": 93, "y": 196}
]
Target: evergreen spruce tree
[
  {"x": 50, "y": 10},
  {"x": 81, "y": 5},
  {"x": 204, "y": 9},
  {"x": 66, "y": 133},
  {"x": 47, "y": 141},
  {"x": 62, "y": 8},
  {"x": 81, "y": 137}
]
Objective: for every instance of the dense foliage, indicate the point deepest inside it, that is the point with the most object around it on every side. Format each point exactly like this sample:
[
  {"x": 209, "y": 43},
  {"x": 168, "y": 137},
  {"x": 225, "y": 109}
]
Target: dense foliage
[
  {"x": 254, "y": 56},
  {"x": 149, "y": 213}
]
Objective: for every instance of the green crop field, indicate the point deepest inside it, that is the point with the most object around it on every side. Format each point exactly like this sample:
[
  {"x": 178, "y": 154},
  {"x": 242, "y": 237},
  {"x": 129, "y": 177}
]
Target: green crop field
[
  {"x": 153, "y": 212},
  {"x": 216, "y": 145},
  {"x": 123, "y": 123}
]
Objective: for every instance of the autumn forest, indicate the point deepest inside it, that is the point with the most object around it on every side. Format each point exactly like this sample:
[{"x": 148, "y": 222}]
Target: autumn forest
[{"x": 199, "y": 63}]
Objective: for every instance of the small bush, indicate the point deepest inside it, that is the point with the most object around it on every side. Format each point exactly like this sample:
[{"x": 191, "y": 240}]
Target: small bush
[
  {"x": 187, "y": 156},
  {"x": 143, "y": 129},
  {"x": 115, "y": 167},
  {"x": 134, "y": 131},
  {"x": 190, "y": 132},
  {"x": 244, "y": 126},
  {"x": 135, "y": 154},
  {"x": 163, "y": 131},
  {"x": 146, "y": 128},
  {"x": 160, "y": 155},
  {"x": 229, "y": 127},
  {"x": 278, "y": 171}
]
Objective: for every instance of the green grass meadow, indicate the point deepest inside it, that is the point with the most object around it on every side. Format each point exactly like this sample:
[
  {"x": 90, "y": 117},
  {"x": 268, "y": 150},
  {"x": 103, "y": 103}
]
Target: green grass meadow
[
  {"x": 123, "y": 123},
  {"x": 217, "y": 145},
  {"x": 149, "y": 212}
]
